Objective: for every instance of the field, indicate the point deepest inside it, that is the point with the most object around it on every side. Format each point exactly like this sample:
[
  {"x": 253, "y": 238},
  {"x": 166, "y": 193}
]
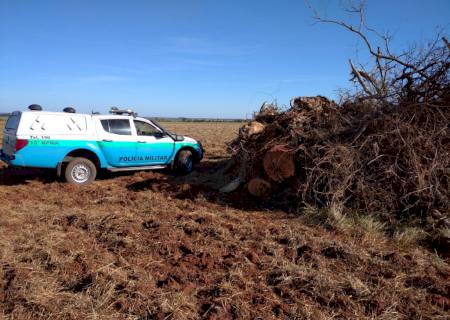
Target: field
[{"x": 150, "y": 245}]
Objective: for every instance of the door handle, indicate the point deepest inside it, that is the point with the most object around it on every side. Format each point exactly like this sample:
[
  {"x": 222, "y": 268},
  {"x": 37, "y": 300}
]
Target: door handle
[
  {"x": 142, "y": 142},
  {"x": 107, "y": 140}
]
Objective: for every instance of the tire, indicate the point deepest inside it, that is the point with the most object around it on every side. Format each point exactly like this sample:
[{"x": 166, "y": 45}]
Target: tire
[
  {"x": 184, "y": 162},
  {"x": 80, "y": 171}
]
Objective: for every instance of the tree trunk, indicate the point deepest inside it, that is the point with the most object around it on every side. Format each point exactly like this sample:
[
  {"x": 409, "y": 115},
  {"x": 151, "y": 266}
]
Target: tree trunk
[
  {"x": 279, "y": 163},
  {"x": 258, "y": 187}
]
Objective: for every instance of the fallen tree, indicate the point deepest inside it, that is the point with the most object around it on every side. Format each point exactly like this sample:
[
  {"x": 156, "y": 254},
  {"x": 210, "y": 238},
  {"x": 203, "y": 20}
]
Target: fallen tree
[
  {"x": 385, "y": 154},
  {"x": 386, "y": 160}
]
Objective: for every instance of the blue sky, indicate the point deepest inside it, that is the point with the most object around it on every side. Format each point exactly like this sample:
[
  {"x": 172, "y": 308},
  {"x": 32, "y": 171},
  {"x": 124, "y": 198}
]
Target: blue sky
[{"x": 194, "y": 58}]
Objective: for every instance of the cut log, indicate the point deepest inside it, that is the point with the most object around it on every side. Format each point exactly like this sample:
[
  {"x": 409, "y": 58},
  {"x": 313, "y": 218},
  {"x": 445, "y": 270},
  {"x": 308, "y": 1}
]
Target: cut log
[
  {"x": 279, "y": 163},
  {"x": 251, "y": 129},
  {"x": 311, "y": 103},
  {"x": 258, "y": 187}
]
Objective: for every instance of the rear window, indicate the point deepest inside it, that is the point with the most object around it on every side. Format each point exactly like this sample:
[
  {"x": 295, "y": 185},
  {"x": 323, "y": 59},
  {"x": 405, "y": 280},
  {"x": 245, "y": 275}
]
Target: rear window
[
  {"x": 13, "y": 122},
  {"x": 117, "y": 126}
]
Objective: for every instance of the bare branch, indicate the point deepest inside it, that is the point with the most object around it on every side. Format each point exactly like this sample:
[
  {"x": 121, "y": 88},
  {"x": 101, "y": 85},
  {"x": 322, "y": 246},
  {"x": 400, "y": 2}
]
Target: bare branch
[
  {"x": 358, "y": 31},
  {"x": 358, "y": 77},
  {"x": 446, "y": 42},
  {"x": 416, "y": 75}
]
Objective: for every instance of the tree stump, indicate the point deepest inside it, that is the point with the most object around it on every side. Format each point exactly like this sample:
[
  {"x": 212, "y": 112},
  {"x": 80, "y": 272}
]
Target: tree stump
[
  {"x": 251, "y": 129},
  {"x": 279, "y": 163},
  {"x": 258, "y": 187}
]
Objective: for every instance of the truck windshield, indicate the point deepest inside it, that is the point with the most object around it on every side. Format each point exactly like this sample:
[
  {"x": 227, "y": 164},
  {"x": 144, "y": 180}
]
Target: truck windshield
[
  {"x": 158, "y": 125},
  {"x": 171, "y": 134}
]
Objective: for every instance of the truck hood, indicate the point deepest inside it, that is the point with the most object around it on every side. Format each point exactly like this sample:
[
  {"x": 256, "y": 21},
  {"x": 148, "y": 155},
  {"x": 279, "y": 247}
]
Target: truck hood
[{"x": 189, "y": 140}]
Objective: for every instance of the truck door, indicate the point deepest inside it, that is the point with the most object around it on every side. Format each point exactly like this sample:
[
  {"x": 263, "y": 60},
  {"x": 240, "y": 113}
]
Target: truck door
[
  {"x": 116, "y": 141},
  {"x": 153, "y": 147}
]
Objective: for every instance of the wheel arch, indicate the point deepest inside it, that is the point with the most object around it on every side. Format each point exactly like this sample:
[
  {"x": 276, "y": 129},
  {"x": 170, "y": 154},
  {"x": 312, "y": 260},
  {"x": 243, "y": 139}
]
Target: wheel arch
[
  {"x": 80, "y": 153},
  {"x": 189, "y": 148}
]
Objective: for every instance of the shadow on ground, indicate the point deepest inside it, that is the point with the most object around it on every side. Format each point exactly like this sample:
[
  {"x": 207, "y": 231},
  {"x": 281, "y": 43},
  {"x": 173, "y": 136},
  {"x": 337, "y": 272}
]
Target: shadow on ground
[
  {"x": 10, "y": 176},
  {"x": 204, "y": 183},
  {"x": 16, "y": 176}
]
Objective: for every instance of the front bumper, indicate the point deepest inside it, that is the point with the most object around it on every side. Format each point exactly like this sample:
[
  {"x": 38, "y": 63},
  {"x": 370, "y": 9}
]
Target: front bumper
[{"x": 202, "y": 151}]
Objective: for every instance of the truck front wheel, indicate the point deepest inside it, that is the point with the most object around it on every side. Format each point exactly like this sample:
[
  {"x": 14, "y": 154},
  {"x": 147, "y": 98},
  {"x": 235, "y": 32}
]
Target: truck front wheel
[
  {"x": 80, "y": 171},
  {"x": 184, "y": 162}
]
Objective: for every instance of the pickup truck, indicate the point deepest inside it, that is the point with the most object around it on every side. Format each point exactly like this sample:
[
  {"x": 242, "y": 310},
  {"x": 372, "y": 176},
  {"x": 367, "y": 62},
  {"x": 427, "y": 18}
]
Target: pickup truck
[{"x": 77, "y": 145}]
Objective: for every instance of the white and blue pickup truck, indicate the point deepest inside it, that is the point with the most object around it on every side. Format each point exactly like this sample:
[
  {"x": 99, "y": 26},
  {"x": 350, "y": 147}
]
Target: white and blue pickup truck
[{"x": 77, "y": 145}]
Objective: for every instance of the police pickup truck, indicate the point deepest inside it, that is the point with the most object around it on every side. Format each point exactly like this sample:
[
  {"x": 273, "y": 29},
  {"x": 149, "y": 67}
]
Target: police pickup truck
[{"x": 77, "y": 145}]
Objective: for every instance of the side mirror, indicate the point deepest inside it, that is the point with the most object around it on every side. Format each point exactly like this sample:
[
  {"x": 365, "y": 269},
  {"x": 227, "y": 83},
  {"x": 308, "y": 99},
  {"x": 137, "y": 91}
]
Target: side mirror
[{"x": 158, "y": 135}]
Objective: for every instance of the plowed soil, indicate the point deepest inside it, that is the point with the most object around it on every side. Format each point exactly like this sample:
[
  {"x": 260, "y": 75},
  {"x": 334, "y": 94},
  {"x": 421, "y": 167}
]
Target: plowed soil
[{"x": 151, "y": 245}]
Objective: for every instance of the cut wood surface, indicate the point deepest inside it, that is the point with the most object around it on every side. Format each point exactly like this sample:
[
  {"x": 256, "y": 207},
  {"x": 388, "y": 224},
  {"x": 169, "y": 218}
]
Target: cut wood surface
[
  {"x": 279, "y": 163},
  {"x": 258, "y": 187}
]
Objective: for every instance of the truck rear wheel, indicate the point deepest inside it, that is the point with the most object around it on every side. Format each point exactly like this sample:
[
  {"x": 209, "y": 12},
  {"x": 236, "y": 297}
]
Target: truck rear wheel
[
  {"x": 80, "y": 171},
  {"x": 184, "y": 162}
]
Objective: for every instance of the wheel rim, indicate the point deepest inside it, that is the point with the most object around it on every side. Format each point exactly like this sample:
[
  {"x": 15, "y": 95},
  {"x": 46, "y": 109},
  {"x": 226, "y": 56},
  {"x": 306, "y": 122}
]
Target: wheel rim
[
  {"x": 80, "y": 173},
  {"x": 188, "y": 163}
]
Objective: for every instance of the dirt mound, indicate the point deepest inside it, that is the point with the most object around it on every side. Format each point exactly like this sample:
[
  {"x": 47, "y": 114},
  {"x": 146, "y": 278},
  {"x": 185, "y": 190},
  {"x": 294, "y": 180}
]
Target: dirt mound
[{"x": 385, "y": 159}]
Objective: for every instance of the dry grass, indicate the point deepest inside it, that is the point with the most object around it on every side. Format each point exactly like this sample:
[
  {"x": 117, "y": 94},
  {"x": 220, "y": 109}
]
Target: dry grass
[
  {"x": 2, "y": 125},
  {"x": 140, "y": 246},
  {"x": 212, "y": 134}
]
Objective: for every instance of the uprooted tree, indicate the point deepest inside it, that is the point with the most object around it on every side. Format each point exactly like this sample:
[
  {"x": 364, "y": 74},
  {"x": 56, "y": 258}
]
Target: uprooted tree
[
  {"x": 385, "y": 149},
  {"x": 417, "y": 75}
]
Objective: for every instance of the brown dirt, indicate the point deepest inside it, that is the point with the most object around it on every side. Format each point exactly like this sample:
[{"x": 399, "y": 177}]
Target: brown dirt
[{"x": 152, "y": 246}]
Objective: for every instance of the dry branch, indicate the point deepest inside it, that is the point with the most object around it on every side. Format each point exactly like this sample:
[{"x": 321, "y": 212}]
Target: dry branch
[{"x": 415, "y": 75}]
